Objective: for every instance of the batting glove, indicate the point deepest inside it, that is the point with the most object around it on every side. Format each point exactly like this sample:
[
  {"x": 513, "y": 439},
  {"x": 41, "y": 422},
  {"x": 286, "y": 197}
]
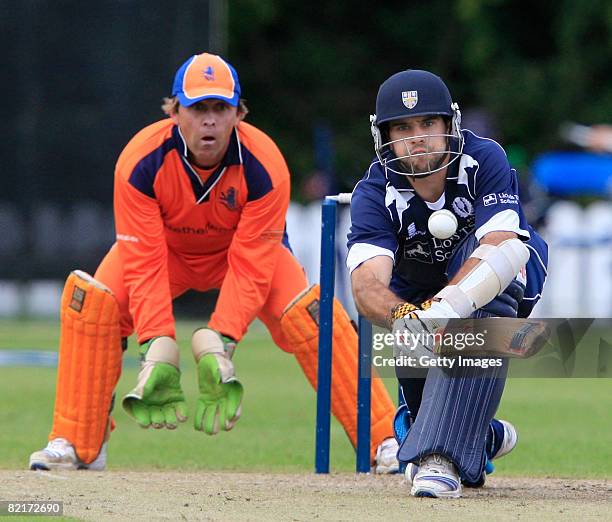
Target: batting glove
[
  {"x": 220, "y": 400},
  {"x": 158, "y": 400},
  {"x": 412, "y": 330}
]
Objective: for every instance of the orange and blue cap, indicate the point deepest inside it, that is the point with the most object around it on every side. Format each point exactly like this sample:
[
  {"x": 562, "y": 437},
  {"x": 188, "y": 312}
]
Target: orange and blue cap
[{"x": 206, "y": 76}]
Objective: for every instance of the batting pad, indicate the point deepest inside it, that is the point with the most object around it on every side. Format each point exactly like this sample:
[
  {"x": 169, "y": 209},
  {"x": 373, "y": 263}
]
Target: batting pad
[
  {"x": 300, "y": 324},
  {"x": 89, "y": 364}
]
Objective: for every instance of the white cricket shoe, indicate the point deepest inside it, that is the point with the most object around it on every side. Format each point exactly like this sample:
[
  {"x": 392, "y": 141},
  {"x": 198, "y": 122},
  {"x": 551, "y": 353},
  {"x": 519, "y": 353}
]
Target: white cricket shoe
[
  {"x": 386, "y": 457},
  {"x": 436, "y": 477},
  {"x": 60, "y": 455},
  {"x": 510, "y": 440}
]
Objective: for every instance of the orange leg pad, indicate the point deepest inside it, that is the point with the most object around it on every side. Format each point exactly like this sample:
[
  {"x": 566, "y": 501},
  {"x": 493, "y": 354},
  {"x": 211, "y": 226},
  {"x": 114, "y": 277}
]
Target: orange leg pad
[
  {"x": 89, "y": 364},
  {"x": 300, "y": 324}
]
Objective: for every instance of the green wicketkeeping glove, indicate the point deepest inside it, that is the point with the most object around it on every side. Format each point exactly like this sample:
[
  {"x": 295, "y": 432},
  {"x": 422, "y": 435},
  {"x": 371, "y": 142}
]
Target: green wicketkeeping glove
[
  {"x": 220, "y": 399},
  {"x": 158, "y": 400}
]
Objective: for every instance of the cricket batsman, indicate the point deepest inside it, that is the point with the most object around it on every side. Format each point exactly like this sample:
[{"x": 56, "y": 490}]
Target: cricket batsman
[
  {"x": 409, "y": 273},
  {"x": 200, "y": 200}
]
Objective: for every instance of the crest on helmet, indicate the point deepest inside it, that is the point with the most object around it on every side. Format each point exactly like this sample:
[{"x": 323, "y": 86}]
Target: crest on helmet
[{"x": 410, "y": 98}]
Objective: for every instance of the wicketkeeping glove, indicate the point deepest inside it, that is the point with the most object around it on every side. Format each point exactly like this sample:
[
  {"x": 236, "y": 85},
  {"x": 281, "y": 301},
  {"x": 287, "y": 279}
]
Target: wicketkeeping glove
[
  {"x": 158, "y": 400},
  {"x": 220, "y": 400}
]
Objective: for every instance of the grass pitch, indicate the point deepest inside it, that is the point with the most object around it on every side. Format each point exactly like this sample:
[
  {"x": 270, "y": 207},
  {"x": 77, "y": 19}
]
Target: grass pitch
[{"x": 565, "y": 425}]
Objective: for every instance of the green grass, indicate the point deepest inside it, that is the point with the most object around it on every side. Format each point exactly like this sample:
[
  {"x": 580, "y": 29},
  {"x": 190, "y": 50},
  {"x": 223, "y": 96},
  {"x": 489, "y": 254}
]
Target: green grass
[
  {"x": 565, "y": 425},
  {"x": 276, "y": 431}
]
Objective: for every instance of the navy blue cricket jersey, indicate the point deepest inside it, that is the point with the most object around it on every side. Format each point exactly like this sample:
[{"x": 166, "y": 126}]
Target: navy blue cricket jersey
[{"x": 389, "y": 218}]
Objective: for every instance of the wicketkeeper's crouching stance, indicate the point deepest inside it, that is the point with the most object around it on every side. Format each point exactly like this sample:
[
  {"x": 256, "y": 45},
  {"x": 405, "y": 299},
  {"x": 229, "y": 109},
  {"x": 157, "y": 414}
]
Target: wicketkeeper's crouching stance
[{"x": 200, "y": 203}]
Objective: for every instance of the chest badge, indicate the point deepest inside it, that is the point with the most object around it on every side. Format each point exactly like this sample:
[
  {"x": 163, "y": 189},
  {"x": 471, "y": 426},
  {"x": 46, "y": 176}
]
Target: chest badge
[
  {"x": 228, "y": 198},
  {"x": 462, "y": 206}
]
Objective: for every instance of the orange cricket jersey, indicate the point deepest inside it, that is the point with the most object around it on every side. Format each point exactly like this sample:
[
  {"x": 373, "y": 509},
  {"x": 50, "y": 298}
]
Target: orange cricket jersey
[{"x": 235, "y": 216}]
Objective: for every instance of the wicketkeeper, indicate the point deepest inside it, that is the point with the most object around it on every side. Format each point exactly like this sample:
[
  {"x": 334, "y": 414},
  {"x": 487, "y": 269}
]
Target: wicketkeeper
[{"x": 200, "y": 200}]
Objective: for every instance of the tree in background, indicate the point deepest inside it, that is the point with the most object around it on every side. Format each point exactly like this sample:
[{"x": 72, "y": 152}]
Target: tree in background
[{"x": 530, "y": 65}]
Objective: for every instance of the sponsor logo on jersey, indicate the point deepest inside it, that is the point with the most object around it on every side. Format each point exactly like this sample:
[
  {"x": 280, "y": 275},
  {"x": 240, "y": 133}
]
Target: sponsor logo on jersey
[
  {"x": 200, "y": 231},
  {"x": 412, "y": 231},
  {"x": 462, "y": 206},
  {"x": 272, "y": 236},
  {"x": 410, "y": 98},
  {"x": 508, "y": 199},
  {"x": 126, "y": 237},
  {"x": 418, "y": 251},
  {"x": 443, "y": 248},
  {"x": 490, "y": 199}
]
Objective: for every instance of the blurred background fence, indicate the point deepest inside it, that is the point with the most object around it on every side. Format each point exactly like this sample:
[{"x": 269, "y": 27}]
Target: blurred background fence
[{"x": 580, "y": 241}]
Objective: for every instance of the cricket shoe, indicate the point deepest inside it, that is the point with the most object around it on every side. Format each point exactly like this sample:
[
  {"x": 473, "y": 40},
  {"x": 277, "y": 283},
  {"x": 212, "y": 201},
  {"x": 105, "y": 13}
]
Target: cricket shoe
[
  {"x": 60, "y": 455},
  {"x": 436, "y": 477},
  {"x": 386, "y": 457},
  {"x": 412, "y": 469},
  {"x": 501, "y": 440},
  {"x": 509, "y": 438}
]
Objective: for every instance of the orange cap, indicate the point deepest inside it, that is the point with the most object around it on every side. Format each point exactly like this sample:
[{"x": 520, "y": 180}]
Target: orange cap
[{"x": 205, "y": 76}]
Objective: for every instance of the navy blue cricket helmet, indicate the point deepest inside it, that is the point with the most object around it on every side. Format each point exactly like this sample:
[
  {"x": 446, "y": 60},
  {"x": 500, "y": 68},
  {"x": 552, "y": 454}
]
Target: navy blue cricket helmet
[{"x": 414, "y": 93}]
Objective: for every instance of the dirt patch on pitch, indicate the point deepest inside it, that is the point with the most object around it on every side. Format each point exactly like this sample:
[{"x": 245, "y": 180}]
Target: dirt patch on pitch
[{"x": 115, "y": 495}]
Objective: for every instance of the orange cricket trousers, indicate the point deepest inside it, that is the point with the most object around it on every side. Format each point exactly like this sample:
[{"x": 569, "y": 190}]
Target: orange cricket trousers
[{"x": 206, "y": 273}]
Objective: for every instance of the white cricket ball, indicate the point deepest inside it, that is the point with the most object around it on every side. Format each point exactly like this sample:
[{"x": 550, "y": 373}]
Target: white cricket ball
[{"x": 442, "y": 224}]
